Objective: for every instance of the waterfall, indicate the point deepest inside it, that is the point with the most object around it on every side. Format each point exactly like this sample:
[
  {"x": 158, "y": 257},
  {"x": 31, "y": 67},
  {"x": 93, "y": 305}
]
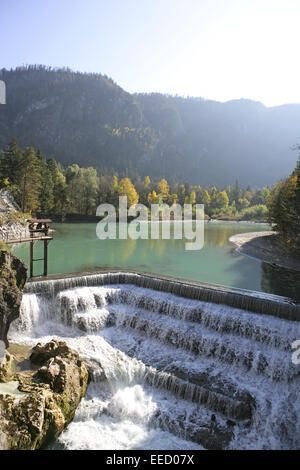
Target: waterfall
[
  {"x": 247, "y": 300},
  {"x": 196, "y": 365}
]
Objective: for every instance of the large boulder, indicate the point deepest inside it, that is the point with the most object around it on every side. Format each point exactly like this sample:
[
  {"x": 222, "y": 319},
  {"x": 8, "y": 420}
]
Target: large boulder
[
  {"x": 13, "y": 275},
  {"x": 7, "y": 369},
  {"x": 63, "y": 371},
  {"x": 51, "y": 395}
]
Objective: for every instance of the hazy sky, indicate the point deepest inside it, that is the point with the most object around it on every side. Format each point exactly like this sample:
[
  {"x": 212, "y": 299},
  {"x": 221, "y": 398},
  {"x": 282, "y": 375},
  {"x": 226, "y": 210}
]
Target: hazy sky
[{"x": 217, "y": 49}]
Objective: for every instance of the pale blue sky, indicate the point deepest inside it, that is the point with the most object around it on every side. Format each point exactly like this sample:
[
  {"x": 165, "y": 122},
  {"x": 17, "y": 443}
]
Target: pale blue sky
[{"x": 217, "y": 49}]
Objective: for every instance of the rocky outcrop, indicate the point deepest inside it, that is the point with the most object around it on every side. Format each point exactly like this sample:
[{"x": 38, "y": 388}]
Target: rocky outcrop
[
  {"x": 13, "y": 223},
  {"x": 13, "y": 275},
  {"x": 51, "y": 393},
  {"x": 7, "y": 369}
]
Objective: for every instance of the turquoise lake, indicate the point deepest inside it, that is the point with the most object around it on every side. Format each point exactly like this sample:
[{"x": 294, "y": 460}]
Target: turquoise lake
[{"x": 76, "y": 248}]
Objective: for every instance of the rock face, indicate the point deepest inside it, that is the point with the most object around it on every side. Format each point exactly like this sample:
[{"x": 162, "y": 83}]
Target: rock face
[
  {"x": 12, "y": 221},
  {"x": 13, "y": 275},
  {"x": 51, "y": 396},
  {"x": 7, "y": 370}
]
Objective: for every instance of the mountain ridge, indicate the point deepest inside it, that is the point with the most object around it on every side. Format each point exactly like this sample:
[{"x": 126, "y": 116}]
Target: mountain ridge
[{"x": 90, "y": 120}]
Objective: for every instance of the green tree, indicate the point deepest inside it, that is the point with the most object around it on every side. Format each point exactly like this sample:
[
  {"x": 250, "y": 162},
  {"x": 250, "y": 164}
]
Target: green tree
[
  {"x": 258, "y": 212},
  {"x": 29, "y": 180},
  {"x": 60, "y": 189},
  {"x": 222, "y": 200},
  {"x": 243, "y": 203},
  {"x": 261, "y": 196},
  {"x": 236, "y": 193},
  {"x": 205, "y": 198},
  {"x": 89, "y": 189},
  {"x": 73, "y": 188},
  {"x": 45, "y": 193},
  {"x": 284, "y": 211}
]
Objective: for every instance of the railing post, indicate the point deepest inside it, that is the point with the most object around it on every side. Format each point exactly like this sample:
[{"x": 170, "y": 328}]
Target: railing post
[
  {"x": 45, "y": 257},
  {"x": 31, "y": 259}
]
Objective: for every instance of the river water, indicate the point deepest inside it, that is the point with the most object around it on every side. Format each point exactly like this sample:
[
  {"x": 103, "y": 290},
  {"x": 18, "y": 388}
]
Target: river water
[{"x": 76, "y": 248}]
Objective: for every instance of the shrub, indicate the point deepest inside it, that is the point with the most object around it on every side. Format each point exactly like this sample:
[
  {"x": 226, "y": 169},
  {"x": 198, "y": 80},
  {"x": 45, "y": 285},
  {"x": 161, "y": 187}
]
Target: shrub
[
  {"x": 15, "y": 217},
  {"x": 260, "y": 212}
]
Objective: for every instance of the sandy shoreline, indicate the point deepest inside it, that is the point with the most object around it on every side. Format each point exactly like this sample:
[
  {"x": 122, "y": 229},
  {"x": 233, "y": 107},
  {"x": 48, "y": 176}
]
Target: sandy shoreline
[{"x": 263, "y": 246}]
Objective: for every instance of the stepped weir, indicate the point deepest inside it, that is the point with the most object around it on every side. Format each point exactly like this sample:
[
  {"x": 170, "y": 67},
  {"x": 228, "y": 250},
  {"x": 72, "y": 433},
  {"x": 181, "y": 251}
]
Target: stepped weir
[
  {"x": 257, "y": 302},
  {"x": 191, "y": 365}
]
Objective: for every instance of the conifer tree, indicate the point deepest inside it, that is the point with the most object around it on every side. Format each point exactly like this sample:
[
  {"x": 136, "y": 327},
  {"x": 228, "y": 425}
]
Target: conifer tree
[
  {"x": 284, "y": 211},
  {"x": 46, "y": 196},
  {"x": 60, "y": 194},
  {"x": 29, "y": 180}
]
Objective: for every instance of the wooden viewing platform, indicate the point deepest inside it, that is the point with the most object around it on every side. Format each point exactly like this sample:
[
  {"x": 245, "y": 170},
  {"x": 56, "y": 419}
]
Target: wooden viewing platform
[
  {"x": 39, "y": 226},
  {"x": 38, "y": 231},
  {"x": 24, "y": 240}
]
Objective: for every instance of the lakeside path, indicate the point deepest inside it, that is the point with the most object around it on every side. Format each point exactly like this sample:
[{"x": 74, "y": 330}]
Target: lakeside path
[{"x": 263, "y": 246}]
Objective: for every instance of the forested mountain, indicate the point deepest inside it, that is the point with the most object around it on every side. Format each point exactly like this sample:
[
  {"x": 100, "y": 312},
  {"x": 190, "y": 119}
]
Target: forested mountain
[{"x": 88, "y": 119}]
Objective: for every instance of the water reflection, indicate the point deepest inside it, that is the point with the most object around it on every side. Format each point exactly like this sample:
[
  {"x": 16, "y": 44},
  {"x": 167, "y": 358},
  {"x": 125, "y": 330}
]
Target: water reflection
[
  {"x": 280, "y": 281},
  {"x": 76, "y": 248},
  {"x": 217, "y": 235}
]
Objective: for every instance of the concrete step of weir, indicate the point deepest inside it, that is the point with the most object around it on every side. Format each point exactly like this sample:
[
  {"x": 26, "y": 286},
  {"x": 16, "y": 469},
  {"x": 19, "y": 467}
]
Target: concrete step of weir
[{"x": 252, "y": 301}]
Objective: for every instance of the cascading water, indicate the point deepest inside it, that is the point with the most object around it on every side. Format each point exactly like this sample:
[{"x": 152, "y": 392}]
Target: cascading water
[{"x": 172, "y": 367}]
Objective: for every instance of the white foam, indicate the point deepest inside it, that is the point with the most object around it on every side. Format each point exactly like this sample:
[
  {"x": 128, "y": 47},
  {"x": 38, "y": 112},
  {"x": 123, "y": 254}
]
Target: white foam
[{"x": 121, "y": 411}]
